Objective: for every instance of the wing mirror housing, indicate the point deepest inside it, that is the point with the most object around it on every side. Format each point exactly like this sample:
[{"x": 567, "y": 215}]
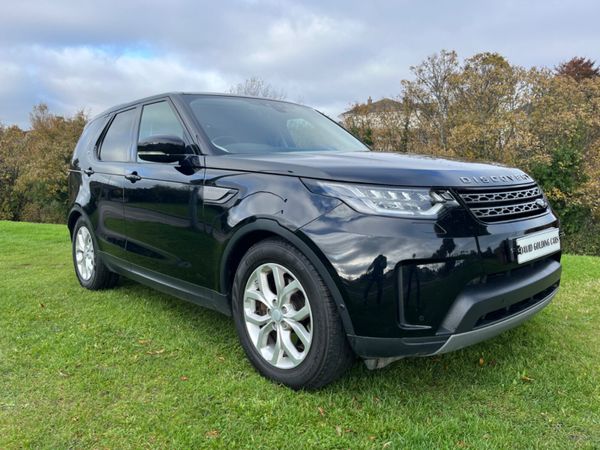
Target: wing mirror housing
[{"x": 163, "y": 149}]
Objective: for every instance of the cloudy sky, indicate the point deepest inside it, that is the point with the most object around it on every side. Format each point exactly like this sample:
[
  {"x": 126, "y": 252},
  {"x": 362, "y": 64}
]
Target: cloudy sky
[{"x": 328, "y": 54}]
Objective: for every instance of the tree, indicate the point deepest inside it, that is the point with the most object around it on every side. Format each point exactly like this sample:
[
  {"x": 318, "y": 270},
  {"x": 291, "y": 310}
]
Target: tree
[
  {"x": 51, "y": 142},
  {"x": 546, "y": 123},
  {"x": 431, "y": 94},
  {"x": 383, "y": 124},
  {"x": 12, "y": 163},
  {"x": 578, "y": 68},
  {"x": 491, "y": 98},
  {"x": 257, "y": 87},
  {"x": 34, "y": 164},
  {"x": 359, "y": 122}
]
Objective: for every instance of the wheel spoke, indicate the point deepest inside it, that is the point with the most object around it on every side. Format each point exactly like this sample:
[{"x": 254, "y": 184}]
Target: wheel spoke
[
  {"x": 80, "y": 241},
  {"x": 284, "y": 294},
  {"x": 300, "y": 331},
  {"x": 263, "y": 334},
  {"x": 255, "y": 295},
  {"x": 263, "y": 284},
  {"x": 279, "y": 280},
  {"x": 84, "y": 235},
  {"x": 257, "y": 319},
  {"x": 277, "y": 350},
  {"x": 290, "y": 349},
  {"x": 299, "y": 315},
  {"x": 78, "y": 256}
]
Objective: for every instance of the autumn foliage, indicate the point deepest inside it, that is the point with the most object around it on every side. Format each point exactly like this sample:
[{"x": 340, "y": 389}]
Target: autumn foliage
[
  {"x": 485, "y": 109},
  {"x": 579, "y": 69},
  {"x": 34, "y": 164}
]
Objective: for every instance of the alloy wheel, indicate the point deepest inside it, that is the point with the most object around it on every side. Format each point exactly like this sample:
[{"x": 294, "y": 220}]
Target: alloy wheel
[
  {"x": 84, "y": 253},
  {"x": 278, "y": 316}
]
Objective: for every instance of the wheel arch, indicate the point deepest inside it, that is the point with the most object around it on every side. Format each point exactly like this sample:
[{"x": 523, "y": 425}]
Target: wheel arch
[
  {"x": 75, "y": 213},
  {"x": 262, "y": 229}
]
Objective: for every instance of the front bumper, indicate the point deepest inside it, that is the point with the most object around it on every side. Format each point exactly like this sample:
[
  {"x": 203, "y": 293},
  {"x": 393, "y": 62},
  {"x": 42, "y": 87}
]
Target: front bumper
[
  {"x": 479, "y": 313},
  {"x": 461, "y": 340},
  {"x": 417, "y": 288}
]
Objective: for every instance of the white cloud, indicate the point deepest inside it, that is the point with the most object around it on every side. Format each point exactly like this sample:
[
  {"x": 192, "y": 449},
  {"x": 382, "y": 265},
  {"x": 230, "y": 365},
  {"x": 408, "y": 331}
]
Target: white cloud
[
  {"x": 326, "y": 53},
  {"x": 10, "y": 75},
  {"x": 74, "y": 78},
  {"x": 304, "y": 39}
]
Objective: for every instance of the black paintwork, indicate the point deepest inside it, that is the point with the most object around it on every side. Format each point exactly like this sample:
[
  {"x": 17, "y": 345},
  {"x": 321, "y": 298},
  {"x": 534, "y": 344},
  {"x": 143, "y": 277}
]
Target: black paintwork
[
  {"x": 183, "y": 227},
  {"x": 391, "y": 169}
]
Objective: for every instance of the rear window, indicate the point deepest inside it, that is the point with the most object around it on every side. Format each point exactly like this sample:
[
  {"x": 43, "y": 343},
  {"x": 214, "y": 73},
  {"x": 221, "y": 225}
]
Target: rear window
[
  {"x": 117, "y": 140},
  {"x": 89, "y": 136}
]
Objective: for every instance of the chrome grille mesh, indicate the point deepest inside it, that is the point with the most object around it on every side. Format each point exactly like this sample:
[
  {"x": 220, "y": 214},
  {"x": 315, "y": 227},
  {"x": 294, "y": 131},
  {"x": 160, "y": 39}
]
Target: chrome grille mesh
[
  {"x": 502, "y": 196},
  {"x": 507, "y": 203}
]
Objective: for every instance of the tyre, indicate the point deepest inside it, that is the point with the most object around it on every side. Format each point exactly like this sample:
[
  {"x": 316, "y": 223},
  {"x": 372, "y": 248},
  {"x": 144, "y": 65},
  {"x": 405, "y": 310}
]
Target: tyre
[
  {"x": 89, "y": 268},
  {"x": 286, "y": 319}
]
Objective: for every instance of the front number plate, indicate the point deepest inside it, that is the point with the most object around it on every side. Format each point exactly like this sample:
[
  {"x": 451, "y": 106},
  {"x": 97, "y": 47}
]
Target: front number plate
[{"x": 539, "y": 244}]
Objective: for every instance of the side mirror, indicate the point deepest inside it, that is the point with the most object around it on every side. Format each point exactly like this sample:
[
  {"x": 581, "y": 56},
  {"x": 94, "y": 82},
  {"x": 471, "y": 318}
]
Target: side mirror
[{"x": 162, "y": 149}]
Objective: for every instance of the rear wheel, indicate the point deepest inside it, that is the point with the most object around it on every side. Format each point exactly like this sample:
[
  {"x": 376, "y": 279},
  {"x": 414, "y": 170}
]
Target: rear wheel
[
  {"x": 89, "y": 268},
  {"x": 286, "y": 319}
]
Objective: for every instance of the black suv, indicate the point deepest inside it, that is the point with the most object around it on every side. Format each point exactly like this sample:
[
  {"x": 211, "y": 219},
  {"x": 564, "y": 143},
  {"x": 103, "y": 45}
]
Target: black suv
[{"x": 320, "y": 248}]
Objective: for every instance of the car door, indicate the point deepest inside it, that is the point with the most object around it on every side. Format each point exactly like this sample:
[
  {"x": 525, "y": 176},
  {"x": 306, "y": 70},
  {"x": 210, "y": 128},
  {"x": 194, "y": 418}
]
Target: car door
[
  {"x": 108, "y": 166},
  {"x": 163, "y": 204}
]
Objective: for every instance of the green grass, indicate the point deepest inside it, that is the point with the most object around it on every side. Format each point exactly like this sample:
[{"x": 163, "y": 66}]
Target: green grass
[{"x": 131, "y": 368}]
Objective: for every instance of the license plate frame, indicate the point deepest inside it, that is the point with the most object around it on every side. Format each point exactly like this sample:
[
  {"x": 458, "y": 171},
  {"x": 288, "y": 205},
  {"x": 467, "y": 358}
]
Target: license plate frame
[{"x": 536, "y": 245}]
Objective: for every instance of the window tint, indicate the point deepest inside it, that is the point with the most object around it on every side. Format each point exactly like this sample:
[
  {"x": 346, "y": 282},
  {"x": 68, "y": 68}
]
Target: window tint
[
  {"x": 117, "y": 141},
  {"x": 159, "y": 119}
]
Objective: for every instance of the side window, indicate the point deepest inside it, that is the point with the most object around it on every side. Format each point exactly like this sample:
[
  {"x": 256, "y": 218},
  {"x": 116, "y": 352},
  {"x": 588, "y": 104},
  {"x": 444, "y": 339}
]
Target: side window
[
  {"x": 117, "y": 140},
  {"x": 159, "y": 119}
]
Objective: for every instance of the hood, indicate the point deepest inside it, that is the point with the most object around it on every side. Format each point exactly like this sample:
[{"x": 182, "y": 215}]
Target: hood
[{"x": 393, "y": 169}]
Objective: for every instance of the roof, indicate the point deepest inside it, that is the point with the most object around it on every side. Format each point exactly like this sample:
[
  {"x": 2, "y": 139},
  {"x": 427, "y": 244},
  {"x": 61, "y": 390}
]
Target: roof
[
  {"x": 385, "y": 104},
  {"x": 172, "y": 94}
]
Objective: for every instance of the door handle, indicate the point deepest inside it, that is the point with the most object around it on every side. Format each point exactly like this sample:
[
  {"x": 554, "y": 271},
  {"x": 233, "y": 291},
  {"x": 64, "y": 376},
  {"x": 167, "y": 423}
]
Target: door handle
[
  {"x": 133, "y": 177},
  {"x": 89, "y": 171}
]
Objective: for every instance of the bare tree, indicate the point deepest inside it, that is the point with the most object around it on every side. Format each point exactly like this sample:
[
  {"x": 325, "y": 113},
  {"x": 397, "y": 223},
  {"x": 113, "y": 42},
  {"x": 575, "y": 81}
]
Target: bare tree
[
  {"x": 433, "y": 90},
  {"x": 257, "y": 87}
]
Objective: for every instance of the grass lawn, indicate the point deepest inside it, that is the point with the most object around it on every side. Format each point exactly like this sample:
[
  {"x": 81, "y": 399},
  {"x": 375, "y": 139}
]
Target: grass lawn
[{"x": 131, "y": 368}]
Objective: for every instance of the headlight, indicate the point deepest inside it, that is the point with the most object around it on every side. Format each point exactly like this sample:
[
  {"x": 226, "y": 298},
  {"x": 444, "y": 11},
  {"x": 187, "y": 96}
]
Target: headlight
[{"x": 387, "y": 201}]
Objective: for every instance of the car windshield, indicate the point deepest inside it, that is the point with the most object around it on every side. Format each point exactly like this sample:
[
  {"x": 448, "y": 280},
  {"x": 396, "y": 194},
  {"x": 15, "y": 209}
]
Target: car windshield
[{"x": 250, "y": 125}]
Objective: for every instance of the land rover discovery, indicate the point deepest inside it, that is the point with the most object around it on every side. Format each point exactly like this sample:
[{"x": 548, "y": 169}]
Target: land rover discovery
[{"x": 321, "y": 249}]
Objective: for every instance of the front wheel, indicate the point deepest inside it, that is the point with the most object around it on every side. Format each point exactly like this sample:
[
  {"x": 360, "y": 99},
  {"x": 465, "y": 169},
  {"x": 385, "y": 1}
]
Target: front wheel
[{"x": 286, "y": 319}]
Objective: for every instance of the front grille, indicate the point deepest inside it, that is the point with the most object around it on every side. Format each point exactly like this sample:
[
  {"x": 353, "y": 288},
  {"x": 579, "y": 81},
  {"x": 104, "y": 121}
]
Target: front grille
[{"x": 504, "y": 203}]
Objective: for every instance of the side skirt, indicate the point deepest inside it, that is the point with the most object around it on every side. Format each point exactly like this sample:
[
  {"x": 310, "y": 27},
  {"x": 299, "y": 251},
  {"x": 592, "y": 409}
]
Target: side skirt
[{"x": 178, "y": 288}]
